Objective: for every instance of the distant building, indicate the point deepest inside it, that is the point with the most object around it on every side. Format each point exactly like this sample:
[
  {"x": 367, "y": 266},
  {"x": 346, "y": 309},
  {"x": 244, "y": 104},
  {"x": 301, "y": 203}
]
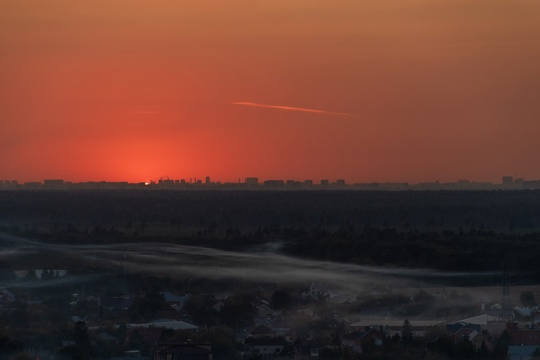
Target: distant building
[
  {"x": 293, "y": 184},
  {"x": 340, "y": 182},
  {"x": 53, "y": 183},
  {"x": 507, "y": 180},
  {"x": 166, "y": 182},
  {"x": 32, "y": 185},
  {"x": 274, "y": 183},
  {"x": 251, "y": 181},
  {"x": 325, "y": 182},
  {"x": 207, "y": 180}
]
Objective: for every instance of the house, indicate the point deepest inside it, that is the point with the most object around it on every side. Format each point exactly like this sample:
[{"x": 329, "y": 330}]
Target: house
[
  {"x": 265, "y": 347},
  {"x": 6, "y": 296},
  {"x": 353, "y": 345},
  {"x": 130, "y": 355},
  {"x": 483, "y": 319},
  {"x": 108, "y": 338},
  {"x": 116, "y": 303},
  {"x": 266, "y": 321},
  {"x": 372, "y": 334},
  {"x": 521, "y": 352},
  {"x": 307, "y": 350},
  {"x": 523, "y": 336},
  {"x": 391, "y": 327},
  {"x": 146, "y": 335},
  {"x": 523, "y": 313},
  {"x": 314, "y": 292},
  {"x": 166, "y": 324},
  {"x": 303, "y": 315},
  {"x": 476, "y": 339},
  {"x": 176, "y": 302},
  {"x": 176, "y": 351},
  {"x": 263, "y": 332},
  {"x": 265, "y": 311},
  {"x": 461, "y": 331}
]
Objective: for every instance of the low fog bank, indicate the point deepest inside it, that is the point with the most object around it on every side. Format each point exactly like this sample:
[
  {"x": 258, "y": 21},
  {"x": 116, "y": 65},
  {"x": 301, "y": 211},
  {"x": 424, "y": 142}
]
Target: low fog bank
[{"x": 260, "y": 264}]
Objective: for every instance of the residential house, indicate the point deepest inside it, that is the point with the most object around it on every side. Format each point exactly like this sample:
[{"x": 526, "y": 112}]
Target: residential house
[
  {"x": 477, "y": 338},
  {"x": 176, "y": 302},
  {"x": 461, "y": 331},
  {"x": 116, "y": 303},
  {"x": 521, "y": 352},
  {"x": 177, "y": 351},
  {"x": 523, "y": 336},
  {"x": 166, "y": 324},
  {"x": 391, "y": 327},
  {"x": 262, "y": 331},
  {"x": 265, "y": 347},
  {"x": 315, "y": 292}
]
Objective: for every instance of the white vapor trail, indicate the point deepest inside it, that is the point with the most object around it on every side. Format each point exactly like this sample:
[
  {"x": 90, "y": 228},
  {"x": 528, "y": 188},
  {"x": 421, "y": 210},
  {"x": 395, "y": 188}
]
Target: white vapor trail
[{"x": 292, "y": 108}]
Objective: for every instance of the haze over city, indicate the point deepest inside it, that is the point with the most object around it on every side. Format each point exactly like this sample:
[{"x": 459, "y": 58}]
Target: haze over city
[{"x": 383, "y": 91}]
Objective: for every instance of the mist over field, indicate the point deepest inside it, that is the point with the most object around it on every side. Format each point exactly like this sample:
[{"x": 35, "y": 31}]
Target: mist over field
[{"x": 180, "y": 261}]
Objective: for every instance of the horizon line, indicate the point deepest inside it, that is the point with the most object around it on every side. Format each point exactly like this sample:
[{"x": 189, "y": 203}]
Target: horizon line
[{"x": 508, "y": 180}]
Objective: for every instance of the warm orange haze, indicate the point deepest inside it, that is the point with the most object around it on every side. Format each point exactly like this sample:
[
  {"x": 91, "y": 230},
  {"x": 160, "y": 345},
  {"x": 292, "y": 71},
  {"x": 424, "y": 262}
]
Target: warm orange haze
[{"x": 362, "y": 90}]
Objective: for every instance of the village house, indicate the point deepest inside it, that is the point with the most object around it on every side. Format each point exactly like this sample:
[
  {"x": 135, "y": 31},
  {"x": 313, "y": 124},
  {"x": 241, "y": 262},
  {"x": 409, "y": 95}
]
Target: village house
[
  {"x": 265, "y": 347},
  {"x": 177, "y": 351},
  {"x": 461, "y": 331},
  {"x": 523, "y": 336}
]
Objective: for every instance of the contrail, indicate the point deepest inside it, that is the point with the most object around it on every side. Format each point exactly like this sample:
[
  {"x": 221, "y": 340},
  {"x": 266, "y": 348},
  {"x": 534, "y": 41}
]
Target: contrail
[{"x": 292, "y": 108}]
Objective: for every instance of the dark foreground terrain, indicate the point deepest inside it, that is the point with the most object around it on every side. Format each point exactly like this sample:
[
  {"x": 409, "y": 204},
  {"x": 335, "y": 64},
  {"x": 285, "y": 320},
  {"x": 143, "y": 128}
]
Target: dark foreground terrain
[{"x": 339, "y": 274}]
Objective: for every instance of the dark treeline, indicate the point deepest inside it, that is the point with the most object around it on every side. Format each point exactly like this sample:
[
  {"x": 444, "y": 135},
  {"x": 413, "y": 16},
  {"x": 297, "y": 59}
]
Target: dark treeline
[
  {"x": 476, "y": 251},
  {"x": 445, "y": 230},
  {"x": 508, "y": 211}
]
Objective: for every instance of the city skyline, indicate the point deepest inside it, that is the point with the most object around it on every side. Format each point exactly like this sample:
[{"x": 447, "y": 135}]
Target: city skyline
[
  {"x": 367, "y": 91},
  {"x": 254, "y": 183}
]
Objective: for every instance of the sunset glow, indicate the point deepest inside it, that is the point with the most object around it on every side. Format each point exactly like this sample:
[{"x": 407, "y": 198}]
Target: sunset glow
[{"x": 361, "y": 90}]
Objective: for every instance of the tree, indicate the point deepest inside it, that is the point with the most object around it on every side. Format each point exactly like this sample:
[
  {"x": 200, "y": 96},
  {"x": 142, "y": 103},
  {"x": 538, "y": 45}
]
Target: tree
[
  {"x": 527, "y": 299},
  {"x": 81, "y": 349},
  {"x": 483, "y": 352},
  {"x": 422, "y": 296},
  {"x": 238, "y": 311},
  {"x": 406, "y": 332},
  {"x": 501, "y": 346},
  {"x": 201, "y": 310},
  {"x": 9, "y": 346},
  {"x": 80, "y": 336},
  {"x": 147, "y": 306},
  {"x": 281, "y": 300}
]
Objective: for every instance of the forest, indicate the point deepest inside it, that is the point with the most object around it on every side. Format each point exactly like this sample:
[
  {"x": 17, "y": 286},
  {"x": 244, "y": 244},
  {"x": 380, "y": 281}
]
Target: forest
[{"x": 445, "y": 230}]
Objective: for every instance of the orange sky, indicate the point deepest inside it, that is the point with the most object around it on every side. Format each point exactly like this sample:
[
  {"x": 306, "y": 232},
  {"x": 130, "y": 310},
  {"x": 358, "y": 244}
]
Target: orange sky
[{"x": 417, "y": 90}]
